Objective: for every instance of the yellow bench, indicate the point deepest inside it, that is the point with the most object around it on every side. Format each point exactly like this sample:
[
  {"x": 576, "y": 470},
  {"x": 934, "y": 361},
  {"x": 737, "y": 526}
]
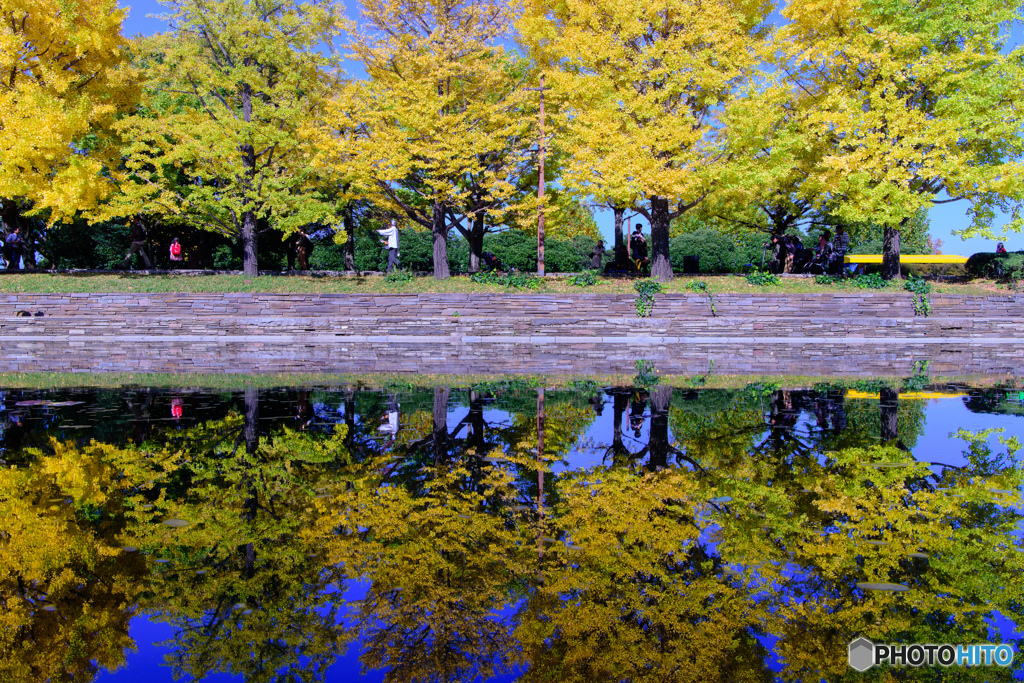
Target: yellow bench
[
  {"x": 918, "y": 395},
  {"x": 910, "y": 258}
]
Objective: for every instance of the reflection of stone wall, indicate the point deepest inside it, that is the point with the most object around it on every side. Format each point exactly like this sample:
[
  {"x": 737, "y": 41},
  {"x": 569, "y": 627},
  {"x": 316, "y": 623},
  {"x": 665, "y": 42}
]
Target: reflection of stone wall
[{"x": 827, "y": 334}]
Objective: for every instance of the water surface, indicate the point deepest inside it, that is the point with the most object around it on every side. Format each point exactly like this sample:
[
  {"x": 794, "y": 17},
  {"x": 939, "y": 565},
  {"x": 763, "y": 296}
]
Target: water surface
[{"x": 503, "y": 531}]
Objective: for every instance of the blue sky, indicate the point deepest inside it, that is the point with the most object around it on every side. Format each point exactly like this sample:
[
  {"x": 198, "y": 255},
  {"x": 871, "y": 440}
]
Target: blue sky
[{"x": 944, "y": 218}]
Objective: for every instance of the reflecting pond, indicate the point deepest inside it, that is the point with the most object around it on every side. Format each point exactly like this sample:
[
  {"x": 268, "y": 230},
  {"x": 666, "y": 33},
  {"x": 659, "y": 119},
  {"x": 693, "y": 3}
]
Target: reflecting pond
[{"x": 504, "y": 532}]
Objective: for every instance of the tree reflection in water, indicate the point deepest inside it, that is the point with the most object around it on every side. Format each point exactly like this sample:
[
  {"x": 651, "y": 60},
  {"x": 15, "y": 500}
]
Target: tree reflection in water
[{"x": 744, "y": 515}]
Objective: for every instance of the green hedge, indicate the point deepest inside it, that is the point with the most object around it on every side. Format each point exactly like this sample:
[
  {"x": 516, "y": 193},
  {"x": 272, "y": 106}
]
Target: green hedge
[
  {"x": 1009, "y": 266},
  {"x": 718, "y": 253}
]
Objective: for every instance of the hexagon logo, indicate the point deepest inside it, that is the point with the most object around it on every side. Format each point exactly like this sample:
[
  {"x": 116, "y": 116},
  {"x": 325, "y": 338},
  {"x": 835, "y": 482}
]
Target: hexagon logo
[{"x": 862, "y": 654}]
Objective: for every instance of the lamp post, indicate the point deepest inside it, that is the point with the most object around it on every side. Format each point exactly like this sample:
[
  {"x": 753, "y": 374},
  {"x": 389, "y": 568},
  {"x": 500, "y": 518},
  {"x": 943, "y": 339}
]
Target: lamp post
[{"x": 540, "y": 184}]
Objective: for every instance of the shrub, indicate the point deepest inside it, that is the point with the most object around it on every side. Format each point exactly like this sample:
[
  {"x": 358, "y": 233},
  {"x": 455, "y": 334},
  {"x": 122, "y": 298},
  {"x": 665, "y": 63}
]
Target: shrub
[
  {"x": 1004, "y": 267},
  {"x": 762, "y": 279},
  {"x": 645, "y": 291},
  {"x": 917, "y": 285},
  {"x": 717, "y": 252},
  {"x": 870, "y": 281},
  {"x": 510, "y": 280},
  {"x": 588, "y": 278}
]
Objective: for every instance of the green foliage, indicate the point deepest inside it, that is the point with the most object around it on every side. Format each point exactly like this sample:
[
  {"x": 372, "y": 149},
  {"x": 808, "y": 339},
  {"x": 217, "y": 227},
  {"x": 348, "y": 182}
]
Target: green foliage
[
  {"x": 645, "y": 291},
  {"x": 922, "y": 306},
  {"x": 698, "y": 381},
  {"x": 398, "y": 275},
  {"x": 509, "y": 280},
  {"x": 917, "y": 285},
  {"x": 586, "y": 387},
  {"x": 716, "y": 251},
  {"x": 517, "y": 250},
  {"x": 869, "y": 281},
  {"x": 1003, "y": 267},
  {"x": 921, "y": 288},
  {"x": 866, "y": 238},
  {"x": 587, "y": 278},
  {"x": 827, "y": 279},
  {"x": 760, "y": 278},
  {"x": 701, "y": 286},
  {"x": 646, "y": 374},
  {"x": 920, "y": 380}
]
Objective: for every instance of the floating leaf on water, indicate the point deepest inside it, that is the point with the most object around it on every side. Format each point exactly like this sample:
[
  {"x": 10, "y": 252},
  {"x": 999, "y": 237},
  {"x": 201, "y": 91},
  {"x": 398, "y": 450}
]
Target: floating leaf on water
[
  {"x": 893, "y": 587},
  {"x": 923, "y": 556},
  {"x": 722, "y": 499},
  {"x": 176, "y": 523},
  {"x": 129, "y": 549},
  {"x": 49, "y": 608}
]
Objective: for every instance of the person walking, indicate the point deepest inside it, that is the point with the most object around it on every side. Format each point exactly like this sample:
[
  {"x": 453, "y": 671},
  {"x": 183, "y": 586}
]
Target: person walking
[
  {"x": 12, "y": 249},
  {"x": 176, "y": 255},
  {"x": 597, "y": 256},
  {"x": 138, "y": 244},
  {"x": 303, "y": 248},
  {"x": 391, "y": 241}
]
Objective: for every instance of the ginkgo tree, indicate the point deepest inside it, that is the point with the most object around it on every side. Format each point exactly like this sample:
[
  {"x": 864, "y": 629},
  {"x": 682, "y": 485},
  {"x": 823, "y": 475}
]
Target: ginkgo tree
[
  {"x": 222, "y": 136},
  {"x": 644, "y": 90},
  {"x": 64, "y": 82},
  {"x": 915, "y": 103},
  {"x": 430, "y": 131}
]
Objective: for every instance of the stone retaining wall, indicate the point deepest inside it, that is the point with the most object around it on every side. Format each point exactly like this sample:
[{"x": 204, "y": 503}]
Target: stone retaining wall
[{"x": 817, "y": 334}]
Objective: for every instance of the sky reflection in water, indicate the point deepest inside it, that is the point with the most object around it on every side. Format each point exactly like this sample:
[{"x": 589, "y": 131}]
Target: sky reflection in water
[{"x": 684, "y": 534}]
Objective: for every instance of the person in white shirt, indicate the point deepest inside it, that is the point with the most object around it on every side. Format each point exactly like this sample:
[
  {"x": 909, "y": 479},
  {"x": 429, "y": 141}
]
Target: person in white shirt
[
  {"x": 390, "y": 421},
  {"x": 391, "y": 242}
]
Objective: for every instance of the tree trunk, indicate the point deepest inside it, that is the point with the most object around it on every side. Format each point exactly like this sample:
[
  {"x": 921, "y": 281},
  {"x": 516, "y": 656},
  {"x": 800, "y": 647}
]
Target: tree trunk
[
  {"x": 891, "y": 254},
  {"x": 661, "y": 267},
  {"x": 251, "y": 504},
  {"x": 437, "y": 229},
  {"x": 348, "y": 252},
  {"x": 249, "y": 266},
  {"x": 658, "y": 443},
  {"x": 476, "y": 243},
  {"x": 477, "y": 424},
  {"x": 888, "y": 403},
  {"x": 440, "y": 432},
  {"x": 620, "y": 215}
]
